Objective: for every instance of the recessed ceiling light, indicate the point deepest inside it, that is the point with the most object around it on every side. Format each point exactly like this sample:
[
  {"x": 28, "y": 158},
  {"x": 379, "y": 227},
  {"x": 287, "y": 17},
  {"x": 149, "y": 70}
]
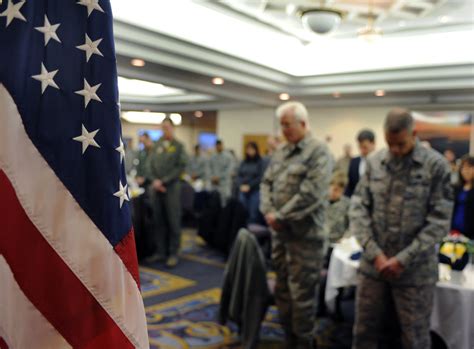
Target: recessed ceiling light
[
  {"x": 176, "y": 118},
  {"x": 336, "y": 94},
  {"x": 133, "y": 87},
  {"x": 284, "y": 96},
  {"x": 380, "y": 93},
  {"x": 138, "y": 117},
  {"x": 198, "y": 114},
  {"x": 444, "y": 19},
  {"x": 218, "y": 81},
  {"x": 137, "y": 62},
  {"x": 290, "y": 9},
  {"x": 402, "y": 24}
]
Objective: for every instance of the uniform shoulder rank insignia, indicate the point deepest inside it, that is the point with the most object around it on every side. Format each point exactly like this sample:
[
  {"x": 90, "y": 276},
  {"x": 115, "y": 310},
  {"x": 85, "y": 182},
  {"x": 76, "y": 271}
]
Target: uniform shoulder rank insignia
[{"x": 172, "y": 149}]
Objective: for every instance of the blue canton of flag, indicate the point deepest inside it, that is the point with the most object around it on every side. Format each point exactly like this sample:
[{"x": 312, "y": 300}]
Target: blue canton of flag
[{"x": 62, "y": 75}]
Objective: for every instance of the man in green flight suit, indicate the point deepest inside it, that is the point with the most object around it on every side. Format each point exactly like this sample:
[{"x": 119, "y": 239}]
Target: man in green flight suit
[{"x": 167, "y": 164}]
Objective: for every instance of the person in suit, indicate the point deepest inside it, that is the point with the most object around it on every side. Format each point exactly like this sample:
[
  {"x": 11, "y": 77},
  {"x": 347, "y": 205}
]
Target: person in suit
[
  {"x": 357, "y": 166},
  {"x": 464, "y": 199}
]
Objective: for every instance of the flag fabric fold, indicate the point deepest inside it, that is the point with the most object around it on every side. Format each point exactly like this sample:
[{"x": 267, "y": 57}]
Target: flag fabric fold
[{"x": 68, "y": 264}]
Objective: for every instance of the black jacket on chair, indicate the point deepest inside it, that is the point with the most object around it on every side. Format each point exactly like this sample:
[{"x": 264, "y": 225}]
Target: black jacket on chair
[
  {"x": 245, "y": 294},
  {"x": 353, "y": 175},
  {"x": 468, "y": 213},
  {"x": 208, "y": 208},
  {"x": 232, "y": 218}
]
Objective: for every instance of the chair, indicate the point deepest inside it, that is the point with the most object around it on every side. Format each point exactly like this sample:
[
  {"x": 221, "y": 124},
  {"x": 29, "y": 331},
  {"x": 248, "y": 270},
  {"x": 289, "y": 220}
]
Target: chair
[{"x": 245, "y": 293}]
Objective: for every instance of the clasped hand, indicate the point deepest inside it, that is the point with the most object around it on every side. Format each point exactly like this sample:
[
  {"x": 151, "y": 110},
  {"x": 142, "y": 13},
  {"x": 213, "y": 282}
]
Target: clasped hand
[{"x": 390, "y": 268}]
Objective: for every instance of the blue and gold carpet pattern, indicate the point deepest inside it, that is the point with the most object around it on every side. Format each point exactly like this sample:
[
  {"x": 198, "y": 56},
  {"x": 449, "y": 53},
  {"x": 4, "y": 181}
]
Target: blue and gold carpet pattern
[
  {"x": 154, "y": 282},
  {"x": 182, "y": 304}
]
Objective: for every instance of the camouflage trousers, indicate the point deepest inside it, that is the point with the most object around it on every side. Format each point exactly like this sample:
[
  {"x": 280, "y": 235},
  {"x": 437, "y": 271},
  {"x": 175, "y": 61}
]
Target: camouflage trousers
[
  {"x": 386, "y": 313},
  {"x": 297, "y": 263}
]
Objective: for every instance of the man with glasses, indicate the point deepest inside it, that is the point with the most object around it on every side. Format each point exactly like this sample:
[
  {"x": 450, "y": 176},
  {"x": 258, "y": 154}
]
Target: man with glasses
[{"x": 293, "y": 200}]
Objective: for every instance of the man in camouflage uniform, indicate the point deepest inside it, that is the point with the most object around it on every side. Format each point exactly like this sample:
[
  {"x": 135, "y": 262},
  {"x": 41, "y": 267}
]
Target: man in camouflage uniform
[
  {"x": 167, "y": 164},
  {"x": 221, "y": 166},
  {"x": 293, "y": 200},
  {"x": 400, "y": 211},
  {"x": 337, "y": 213},
  {"x": 336, "y": 226},
  {"x": 198, "y": 165},
  {"x": 143, "y": 176}
]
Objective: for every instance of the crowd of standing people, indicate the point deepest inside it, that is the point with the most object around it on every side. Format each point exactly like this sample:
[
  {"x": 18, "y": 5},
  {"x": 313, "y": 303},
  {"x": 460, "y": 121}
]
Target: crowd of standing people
[{"x": 399, "y": 202}]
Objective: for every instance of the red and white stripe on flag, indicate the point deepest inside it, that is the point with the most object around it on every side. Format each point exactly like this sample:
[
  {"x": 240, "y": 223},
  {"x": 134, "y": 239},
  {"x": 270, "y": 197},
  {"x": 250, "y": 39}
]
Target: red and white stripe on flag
[{"x": 59, "y": 268}]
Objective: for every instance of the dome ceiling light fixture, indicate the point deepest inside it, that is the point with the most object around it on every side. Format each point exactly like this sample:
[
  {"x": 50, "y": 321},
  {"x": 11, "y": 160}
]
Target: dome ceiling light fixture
[{"x": 321, "y": 20}]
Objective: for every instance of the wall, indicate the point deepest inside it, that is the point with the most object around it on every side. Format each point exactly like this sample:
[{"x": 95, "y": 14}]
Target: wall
[
  {"x": 188, "y": 132},
  {"x": 185, "y": 133},
  {"x": 342, "y": 124},
  {"x": 233, "y": 124}
]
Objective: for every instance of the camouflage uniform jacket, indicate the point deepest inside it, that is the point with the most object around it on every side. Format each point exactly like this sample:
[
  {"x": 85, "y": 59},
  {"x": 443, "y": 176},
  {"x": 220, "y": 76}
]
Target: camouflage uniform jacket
[
  {"x": 337, "y": 219},
  {"x": 403, "y": 208},
  {"x": 143, "y": 167},
  {"x": 295, "y": 186},
  {"x": 221, "y": 166},
  {"x": 198, "y": 166}
]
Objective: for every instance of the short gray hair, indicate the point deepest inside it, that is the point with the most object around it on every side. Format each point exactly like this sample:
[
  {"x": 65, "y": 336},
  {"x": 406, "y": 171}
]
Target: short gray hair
[
  {"x": 299, "y": 111},
  {"x": 398, "y": 120}
]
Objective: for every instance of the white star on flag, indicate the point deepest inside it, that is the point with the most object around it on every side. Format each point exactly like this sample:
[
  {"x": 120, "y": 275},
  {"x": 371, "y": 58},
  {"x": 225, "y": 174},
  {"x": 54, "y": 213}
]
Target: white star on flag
[
  {"x": 49, "y": 31},
  {"x": 91, "y": 6},
  {"x": 13, "y": 11},
  {"x": 121, "y": 150},
  {"x": 46, "y": 78},
  {"x": 122, "y": 194},
  {"x": 90, "y": 47},
  {"x": 89, "y": 93},
  {"x": 87, "y": 138}
]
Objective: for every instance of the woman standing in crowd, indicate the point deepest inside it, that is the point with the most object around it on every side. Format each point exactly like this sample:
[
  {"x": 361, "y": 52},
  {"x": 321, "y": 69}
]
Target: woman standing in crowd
[
  {"x": 463, "y": 218},
  {"x": 248, "y": 181}
]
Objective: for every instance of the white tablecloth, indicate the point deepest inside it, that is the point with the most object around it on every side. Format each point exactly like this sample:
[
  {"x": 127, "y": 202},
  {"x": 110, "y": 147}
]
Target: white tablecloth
[
  {"x": 453, "y": 310},
  {"x": 342, "y": 272}
]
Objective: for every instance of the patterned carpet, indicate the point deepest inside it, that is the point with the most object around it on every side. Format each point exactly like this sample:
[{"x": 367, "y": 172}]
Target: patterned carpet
[{"x": 182, "y": 305}]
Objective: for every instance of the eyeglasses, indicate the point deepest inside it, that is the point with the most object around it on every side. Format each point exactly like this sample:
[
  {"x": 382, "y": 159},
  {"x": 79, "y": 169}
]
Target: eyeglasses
[{"x": 288, "y": 124}]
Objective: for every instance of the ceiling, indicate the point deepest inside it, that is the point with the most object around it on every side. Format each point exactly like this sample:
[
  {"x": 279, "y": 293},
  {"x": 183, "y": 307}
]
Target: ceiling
[
  {"x": 394, "y": 17},
  {"x": 424, "y": 59}
]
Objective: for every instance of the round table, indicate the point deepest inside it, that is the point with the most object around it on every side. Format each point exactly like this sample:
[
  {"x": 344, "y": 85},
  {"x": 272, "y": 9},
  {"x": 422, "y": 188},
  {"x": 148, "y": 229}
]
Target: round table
[{"x": 453, "y": 309}]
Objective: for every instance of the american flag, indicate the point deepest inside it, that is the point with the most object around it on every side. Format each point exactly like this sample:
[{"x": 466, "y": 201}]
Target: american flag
[{"x": 68, "y": 267}]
